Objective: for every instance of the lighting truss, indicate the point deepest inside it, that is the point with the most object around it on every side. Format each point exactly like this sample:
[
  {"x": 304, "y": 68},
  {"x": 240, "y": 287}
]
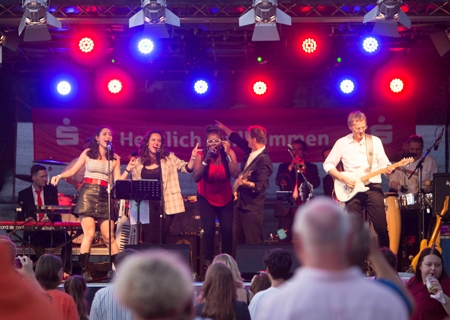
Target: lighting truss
[
  {"x": 35, "y": 19},
  {"x": 154, "y": 16},
  {"x": 265, "y": 15},
  {"x": 386, "y": 14}
]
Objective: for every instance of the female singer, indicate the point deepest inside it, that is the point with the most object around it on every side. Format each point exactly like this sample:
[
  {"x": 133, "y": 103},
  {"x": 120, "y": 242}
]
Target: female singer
[
  {"x": 155, "y": 162},
  {"x": 100, "y": 162},
  {"x": 212, "y": 172}
]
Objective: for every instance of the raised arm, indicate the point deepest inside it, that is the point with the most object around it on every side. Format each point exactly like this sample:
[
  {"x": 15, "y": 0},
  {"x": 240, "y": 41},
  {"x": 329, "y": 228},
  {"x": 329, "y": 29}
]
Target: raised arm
[
  {"x": 69, "y": 173},
  {"x": 224, "y": 128}
]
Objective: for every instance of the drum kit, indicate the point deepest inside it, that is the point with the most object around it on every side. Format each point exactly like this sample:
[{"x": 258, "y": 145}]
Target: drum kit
[{"x": 394, "y": 204}]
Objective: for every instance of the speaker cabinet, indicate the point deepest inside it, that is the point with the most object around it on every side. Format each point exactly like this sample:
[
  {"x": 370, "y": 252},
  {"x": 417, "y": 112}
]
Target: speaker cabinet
[
  {"x": 188, "y": 221},
  {"x": 249, "y": 257},
  {"x": 194, "y": 243},
  {"x": 183, "y": 250},
  {"x": 441, "y": 189}
]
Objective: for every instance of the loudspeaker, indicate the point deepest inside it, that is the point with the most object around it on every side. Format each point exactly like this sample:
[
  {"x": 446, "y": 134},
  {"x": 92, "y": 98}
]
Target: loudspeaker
[
  {"x": 188, "y": 221},
  {"x": 441, "y": 188},
  {"x": 249, "y": 257},
  {"x": 183, "y": 250},
  {"x": 194, "y": 243}
]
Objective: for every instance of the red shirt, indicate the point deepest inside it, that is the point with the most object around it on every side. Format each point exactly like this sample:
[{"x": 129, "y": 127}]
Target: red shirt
[{"x": 217, "y": 187}]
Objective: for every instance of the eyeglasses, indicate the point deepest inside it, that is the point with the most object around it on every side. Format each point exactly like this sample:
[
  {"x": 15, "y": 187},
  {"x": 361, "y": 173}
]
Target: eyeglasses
[
  {"x": 213, "y": 141},
  {"x": 360, "y": 128}
]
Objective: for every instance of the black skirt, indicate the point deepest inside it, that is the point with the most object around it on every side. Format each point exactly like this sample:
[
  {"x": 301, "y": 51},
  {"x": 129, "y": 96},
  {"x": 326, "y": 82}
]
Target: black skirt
[{"x": 93, "y": 202}]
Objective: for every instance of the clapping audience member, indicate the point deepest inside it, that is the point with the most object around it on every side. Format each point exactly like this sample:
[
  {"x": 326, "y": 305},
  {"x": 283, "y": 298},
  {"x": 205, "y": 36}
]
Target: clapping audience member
[
  {"x": 327, "y": 286},
  {"x": 242, "y": 293},
  {"x": 156, "y": 285},
  {"x": 105, "y": 304},
  {"x": 278, "y": 264},
  {"x": 219, "y": 296},
  {"x": 259, "y": 283},
  {"x": 21, "y": 297},
  {"x": 49, "y": 274},
  {"x": 75, "y": 286},
  {"x": 430, "y": 287}
]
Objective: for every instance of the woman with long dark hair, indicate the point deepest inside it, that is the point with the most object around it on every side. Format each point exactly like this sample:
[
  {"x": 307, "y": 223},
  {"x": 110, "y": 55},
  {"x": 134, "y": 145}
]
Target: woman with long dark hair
[
  {"x": 100, "y": 162},
  {"x": 212, "y": 172},
  {"x": 155, "y": 162},
  {"x": 76, "y": 287},
  {"x": 430, "y": 287},
  {"x": 219, "y": 296}
]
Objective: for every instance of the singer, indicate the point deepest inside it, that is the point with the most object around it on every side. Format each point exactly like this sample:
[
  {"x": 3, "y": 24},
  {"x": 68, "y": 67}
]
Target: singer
[
  {"x": 286, "y": 180},
  {"x": 212, "y": 173},
  {"x": 156, "y": 162},
  {"x": 92, "y": 203}
]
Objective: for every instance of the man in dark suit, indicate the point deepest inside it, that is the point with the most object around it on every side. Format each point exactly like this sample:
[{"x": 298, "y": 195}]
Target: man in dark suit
[
  {"x": 42, "y": 194},
  {"x": 256, "y": 168},
  {"x": 288, "y": 179}
]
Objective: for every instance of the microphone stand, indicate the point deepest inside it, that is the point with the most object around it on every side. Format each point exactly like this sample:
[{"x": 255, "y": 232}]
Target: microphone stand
[
  {"x": 298, "y": 170},
  {"x": 161, "y": 200},
  {"x": 108, "y": 157}
]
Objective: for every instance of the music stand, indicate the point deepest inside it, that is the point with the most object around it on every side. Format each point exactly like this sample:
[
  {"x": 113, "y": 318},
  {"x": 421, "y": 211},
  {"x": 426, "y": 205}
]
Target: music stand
[{"x": 138, "y": 190}]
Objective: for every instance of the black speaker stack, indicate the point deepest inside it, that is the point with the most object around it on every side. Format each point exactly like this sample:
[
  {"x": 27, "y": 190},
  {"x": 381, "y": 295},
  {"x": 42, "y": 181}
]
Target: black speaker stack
[{"x": 441, "y": 189}]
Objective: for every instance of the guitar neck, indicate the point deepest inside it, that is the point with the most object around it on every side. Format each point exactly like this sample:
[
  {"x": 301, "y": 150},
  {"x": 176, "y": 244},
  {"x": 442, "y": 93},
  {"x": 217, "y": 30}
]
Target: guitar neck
[{"x": 378, "y": 172}]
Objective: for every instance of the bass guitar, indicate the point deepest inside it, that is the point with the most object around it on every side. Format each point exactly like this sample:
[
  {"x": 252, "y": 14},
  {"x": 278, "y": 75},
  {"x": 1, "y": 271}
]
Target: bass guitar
[
  {"x": 424, "y": 244},
  {"x": 344, "y": 194}
]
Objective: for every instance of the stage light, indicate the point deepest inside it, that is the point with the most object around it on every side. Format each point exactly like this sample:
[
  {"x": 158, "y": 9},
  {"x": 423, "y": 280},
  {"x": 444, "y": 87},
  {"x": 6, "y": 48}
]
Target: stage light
[
  {"x": 386, "y": 14},
  {"x": 370, "y": 44},
  {"x": 64, "y": 88},
  {"x": 396, "y": 85},
  {"x": 35, "y": 20},
  {"x": 309, "y": 45},
  {"x": 154, "y": 16},
  {"x": 260, "y": 88},
  {"x": 347, "y": 86},
  {"x": 441, "y": 41},
  {"x": 10, "y": 40},
  {"x": 115, "y": 86},
  {"x": 265, "y": 15},
  {"x": 146, "y": 46},
  {"x": 86, "y": 45},
  {"x": 201, "y": 86}
]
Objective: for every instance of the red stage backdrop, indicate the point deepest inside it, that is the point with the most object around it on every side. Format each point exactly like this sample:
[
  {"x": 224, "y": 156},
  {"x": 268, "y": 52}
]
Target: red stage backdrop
[{"x": 59, "y": 133}]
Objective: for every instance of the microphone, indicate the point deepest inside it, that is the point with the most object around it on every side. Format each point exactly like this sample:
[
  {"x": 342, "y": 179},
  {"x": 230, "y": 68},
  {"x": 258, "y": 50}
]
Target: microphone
[
  {"x": 158, "y": 155},
  {"x": 108, "y": 145},
  {"x": 290, "y": 147},
  {"x": 438, "y": 140},
  {"x": 212, "y": 151}
]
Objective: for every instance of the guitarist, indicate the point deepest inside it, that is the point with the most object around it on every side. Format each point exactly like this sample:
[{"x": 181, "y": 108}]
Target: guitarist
[
  {"x": 256, "y": 168},
  {"x": 356, "y": 151}
]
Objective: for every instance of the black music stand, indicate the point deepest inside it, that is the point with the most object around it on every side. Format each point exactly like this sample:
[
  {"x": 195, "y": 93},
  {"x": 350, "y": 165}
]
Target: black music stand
[
  {"x": 284, "y": 204},
  {"x": 138, "y": 190}
]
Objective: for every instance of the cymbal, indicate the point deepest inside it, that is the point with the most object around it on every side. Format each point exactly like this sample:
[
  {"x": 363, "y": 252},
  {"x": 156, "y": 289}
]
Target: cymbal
[
  {"x": 51, "y": 162},
  {"x": 24, "y": 177}
]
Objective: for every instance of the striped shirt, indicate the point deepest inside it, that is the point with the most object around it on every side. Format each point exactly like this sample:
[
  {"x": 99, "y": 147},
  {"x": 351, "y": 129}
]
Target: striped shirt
[
  {"x": 105, "y": 306},
  {"x": 95, "y": 169}
]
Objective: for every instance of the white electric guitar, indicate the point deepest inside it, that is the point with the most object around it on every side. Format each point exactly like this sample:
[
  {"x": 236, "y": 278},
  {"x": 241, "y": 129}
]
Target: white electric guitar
[{"x": 344, "y": 193}]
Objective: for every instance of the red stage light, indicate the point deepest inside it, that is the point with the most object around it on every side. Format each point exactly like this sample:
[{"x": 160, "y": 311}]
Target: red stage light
[
  {"x": 86, "y": 45},
  {"x": 309, "y": 45},
  {"x": 89, "y": 47},
  {"x": 396, "y": 85},
  {"x": 259, "y": 87},
  {"x": 114, "y": 87}
]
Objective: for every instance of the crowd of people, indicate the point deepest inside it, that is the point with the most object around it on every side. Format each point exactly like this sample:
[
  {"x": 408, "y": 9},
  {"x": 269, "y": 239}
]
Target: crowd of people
[{"x": 330, "y": 236}]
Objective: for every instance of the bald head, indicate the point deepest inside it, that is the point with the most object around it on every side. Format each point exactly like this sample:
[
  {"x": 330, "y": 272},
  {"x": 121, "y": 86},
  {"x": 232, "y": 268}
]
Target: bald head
[{"x": 322, "y": 225}]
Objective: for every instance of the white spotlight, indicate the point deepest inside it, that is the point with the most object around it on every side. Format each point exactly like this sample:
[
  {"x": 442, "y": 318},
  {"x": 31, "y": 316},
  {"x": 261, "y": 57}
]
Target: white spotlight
[
  {"x": 35, "y": 19},
  {"x": 386, "y": 14}
]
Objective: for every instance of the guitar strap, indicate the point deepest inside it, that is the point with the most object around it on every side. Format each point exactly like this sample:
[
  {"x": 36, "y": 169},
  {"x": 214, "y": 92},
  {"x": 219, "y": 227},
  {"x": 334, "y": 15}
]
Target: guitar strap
[
  {"x": 247, "y": 169},
  {"x": 369, "y": 150}
]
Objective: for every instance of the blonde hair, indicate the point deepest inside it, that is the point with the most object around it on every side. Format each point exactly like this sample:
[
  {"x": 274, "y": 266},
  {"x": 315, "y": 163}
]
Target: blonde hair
[{"x": 231, "y": 263}]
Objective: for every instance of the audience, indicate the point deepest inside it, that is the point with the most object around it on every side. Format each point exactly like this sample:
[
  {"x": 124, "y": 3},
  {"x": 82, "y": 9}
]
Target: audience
[
  {"x": 432, "y": 296},
  {"x": 242, "y": 293},
  {"x": 259, "y": 283},
  {"x": 105, "y": 304},
  {"x": 75, "y": 286},
  {"x": 278, "y": 264},
  {"x": 327, "y": 286},
  {"x": 49, "y": 273},
  {"x": 219, "y": 296},
  {"x": 156, "y": 285},
  {"x": 21, "y": 297}
]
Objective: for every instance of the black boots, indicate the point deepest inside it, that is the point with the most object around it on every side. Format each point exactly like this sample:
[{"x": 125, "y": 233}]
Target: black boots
[{"x": 84, "y": 260}]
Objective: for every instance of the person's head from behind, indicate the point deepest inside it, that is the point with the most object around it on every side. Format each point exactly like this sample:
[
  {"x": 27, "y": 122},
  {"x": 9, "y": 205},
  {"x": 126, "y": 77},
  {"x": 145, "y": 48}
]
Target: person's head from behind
[
  {"x": 322, "y": 230},
  {"x": 218, "y": 291},
  {"x": 278, "y": 263},
  {"x": 39, "y": 176},
  {"x": 156, "y": 285},
  {"x": 8, "y": 253},
  {"x": 391, "y": 258},
  {"x": 49, "y": 271},
  {"x": 230, "y": 263},
  {"x": 123, "y": 256},
  {"x": 260, "y": 282},
  {"x": 430, "y": 263},
  {"x": 359, "y": 241},
  {"x": 76, "y": 287}
]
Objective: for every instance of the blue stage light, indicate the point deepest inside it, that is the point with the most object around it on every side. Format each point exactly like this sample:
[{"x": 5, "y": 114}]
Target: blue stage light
[
  {"x": 370, "y": 44},
  {"x": 347, "y": 86},
  {"x": 146, "y": 46},
  {"x": 63, "y": 88},
  {"x": 201, "y": 86}
]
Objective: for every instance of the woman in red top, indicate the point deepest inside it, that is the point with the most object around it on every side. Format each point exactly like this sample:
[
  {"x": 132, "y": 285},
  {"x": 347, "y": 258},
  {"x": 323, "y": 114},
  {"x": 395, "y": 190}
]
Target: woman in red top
[{"x": 212, "y": 172}]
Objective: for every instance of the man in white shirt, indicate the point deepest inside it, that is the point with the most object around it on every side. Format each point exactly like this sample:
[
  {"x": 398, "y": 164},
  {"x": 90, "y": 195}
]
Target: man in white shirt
[
  {"x": 326, "y": 286},
  {"x": 278, "y": 264},
  {"x": 352, "y": 150}
]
